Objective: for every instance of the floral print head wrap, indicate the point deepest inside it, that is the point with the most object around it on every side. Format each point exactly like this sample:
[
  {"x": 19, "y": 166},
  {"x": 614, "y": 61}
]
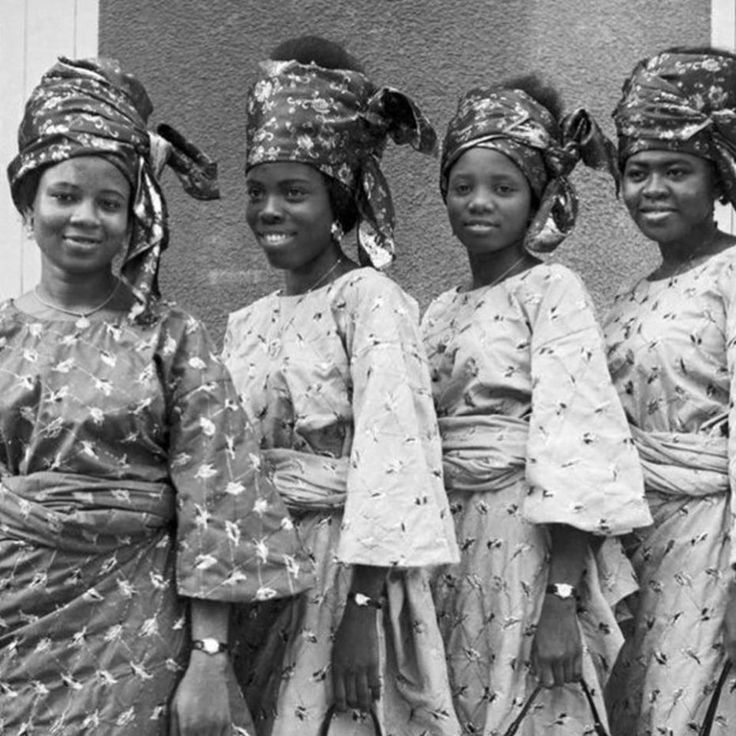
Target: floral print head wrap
[
  {"x": 682, "y": 100},
  {"x": 338, "y": 121},
  {"x": 515, "y": 124},
  {"x": 91, "y": 107}
]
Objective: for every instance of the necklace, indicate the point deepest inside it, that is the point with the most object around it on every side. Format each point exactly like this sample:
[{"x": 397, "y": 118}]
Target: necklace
[
  {"x": 500, "y": 278},
  {"x": 324, "y": 276},
  {"x": 82, "y": 320}
]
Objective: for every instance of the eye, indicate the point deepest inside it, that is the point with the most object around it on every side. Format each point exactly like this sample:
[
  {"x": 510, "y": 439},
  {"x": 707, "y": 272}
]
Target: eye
[
  {"x": 295, "y": 193},
  {"x": 635, "y": 175},
  {"x": 461, "y": 188},
  {"x": 505, "y": 190},
  {"x": 254, "y": 193},
  {"x": 677, "y": 173},
  {"x": 111, "y": 205},
  {"x": 62, "y": 197}
]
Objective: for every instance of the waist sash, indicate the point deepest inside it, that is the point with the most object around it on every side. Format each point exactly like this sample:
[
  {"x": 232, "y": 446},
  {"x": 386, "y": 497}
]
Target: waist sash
[
  {"x": 306, "y": 481},
  {"x": 77, "y": 513},
  {"x": 483, "y": 453},
  {"x": 683, "y": 464}
]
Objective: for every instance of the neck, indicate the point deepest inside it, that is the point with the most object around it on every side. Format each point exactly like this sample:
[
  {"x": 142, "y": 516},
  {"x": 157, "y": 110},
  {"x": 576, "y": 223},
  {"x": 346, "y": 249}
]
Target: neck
[
  {"x": 701, "y": 240},
  {"x": 75, "y": 291},
  {"x": 315, "y": 274},
  {"x": 491, "y": 268}
]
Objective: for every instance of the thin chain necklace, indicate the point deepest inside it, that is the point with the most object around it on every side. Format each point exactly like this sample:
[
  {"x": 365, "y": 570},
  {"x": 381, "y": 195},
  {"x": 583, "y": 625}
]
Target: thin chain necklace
[
  {"x": 500, "y": 278},
  {"x": 325, "y": 275},
  {"x": 82, "y": 320}
]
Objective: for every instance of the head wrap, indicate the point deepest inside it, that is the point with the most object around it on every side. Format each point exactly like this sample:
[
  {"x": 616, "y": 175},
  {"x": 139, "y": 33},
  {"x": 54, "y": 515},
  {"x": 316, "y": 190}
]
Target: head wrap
[
  {"x": 682, "y": 101},
  {"x": 337, "y": 121},
  {"x": 91, "y": 107},
  {"x": 513, "y": 123}
]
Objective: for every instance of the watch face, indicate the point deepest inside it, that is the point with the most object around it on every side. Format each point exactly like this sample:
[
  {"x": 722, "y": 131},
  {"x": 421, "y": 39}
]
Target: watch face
[{"x": 564, "y": 590}]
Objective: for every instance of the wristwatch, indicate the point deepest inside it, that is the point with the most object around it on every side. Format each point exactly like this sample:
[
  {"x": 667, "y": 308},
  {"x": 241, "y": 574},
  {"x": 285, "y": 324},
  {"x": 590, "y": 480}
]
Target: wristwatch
[
  {"x": 209, "y": 645},
  {"x": 563, "y": 591},
  {"x": 363, "y": 600}
]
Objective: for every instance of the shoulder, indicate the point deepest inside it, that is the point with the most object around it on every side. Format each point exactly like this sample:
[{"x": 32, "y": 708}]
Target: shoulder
[
  {"x": 366, "y": 290},
  {"x": 246, "y": 314}
]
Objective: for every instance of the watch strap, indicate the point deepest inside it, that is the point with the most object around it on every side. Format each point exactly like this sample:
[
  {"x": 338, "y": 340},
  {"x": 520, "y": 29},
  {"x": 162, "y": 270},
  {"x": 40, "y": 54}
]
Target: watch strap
[{"x": 210, "y": 646}]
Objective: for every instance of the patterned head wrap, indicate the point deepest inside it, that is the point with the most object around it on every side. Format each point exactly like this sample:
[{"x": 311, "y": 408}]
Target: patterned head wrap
[
  {"x": 511, "y": 122},
  {"x": 337, "y": 121},
  {"x": 682, "y": 101},
  {"x": 91, "y": 107}
]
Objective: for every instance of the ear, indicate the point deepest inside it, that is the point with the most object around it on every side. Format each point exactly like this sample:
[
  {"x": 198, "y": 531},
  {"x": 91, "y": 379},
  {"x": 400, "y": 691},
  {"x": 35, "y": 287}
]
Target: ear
[{"x": 27, "y": 216}]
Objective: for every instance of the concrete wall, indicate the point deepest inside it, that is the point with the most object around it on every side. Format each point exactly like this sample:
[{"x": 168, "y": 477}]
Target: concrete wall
[{"x": 197, "y": 59}]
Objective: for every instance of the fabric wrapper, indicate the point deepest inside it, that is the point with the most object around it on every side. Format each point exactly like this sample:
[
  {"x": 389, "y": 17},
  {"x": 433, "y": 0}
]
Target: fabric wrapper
[
  {"x": 338, "y": 121},
  {"x": 682, "y": 101},
  {"x": 488, "y": 453},
  {"x": 510, "y": 121},
  {"x": 683, "y": 464},
  {"x": 90, "y": 107}
]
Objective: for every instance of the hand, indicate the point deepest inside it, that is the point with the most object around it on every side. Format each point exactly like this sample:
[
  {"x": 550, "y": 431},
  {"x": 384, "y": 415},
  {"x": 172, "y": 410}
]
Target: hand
[
  {"x": 557, "y": 651},
  {"x": 729, "y": 624},
  {"x": 356, "y": 681},
  {"x": 201, "y": 706}
]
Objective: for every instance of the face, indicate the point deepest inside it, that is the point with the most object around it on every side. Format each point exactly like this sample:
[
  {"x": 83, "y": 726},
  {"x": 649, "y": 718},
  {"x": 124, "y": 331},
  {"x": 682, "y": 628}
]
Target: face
[
  {"x": 289, "y": 212},
  {"x": 80, "y": 215},
  {"x": 669, "y": 195},
  {"x": 489, "y": 201}
]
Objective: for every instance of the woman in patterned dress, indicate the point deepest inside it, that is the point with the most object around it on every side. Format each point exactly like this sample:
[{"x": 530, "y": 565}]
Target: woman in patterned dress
[
  {"x": 132, "y": 512},
  {"x": 538, "y": 460},
  {"x": 671, "y": 354},
  {"x": 332, "y": 371}
]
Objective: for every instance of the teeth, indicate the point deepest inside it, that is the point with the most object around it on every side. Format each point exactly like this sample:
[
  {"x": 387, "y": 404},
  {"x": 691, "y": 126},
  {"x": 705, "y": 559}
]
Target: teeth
[{"x": 274, "y": 238}]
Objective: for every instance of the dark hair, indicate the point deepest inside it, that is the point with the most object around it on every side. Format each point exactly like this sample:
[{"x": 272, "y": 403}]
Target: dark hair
[
  {"x": 540, "y": 90},
  {"x": 330, "y": 55}
]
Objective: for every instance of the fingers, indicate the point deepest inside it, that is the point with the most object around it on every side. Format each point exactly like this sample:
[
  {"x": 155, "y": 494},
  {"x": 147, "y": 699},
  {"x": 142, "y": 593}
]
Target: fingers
[
  {"x": 356, "y": 690},
  {"x": 338, "y": 688}
]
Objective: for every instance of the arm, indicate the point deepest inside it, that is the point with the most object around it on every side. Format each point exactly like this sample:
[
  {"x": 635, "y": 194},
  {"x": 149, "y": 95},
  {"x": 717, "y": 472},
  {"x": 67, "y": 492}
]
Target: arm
[
  {"x": 355, "y": 655},
  {"x": 557, "y": 647},
  {"x": 201, "y": 703}
]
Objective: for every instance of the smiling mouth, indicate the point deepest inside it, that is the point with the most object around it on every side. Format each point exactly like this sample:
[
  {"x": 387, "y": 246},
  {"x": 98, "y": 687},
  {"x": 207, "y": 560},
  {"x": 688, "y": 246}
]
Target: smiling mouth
[
  {"x": 480, "y": 226},
  {"x": 274, "y": 238},
  {"x": 81, "y": 240}
]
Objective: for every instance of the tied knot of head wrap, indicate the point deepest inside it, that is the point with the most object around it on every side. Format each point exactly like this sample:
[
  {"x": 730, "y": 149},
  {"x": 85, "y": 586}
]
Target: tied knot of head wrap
[
  {"x": 337, "y": 121},
  {"x": 90, "y": 107},
  {"x": 513, "y": 123},
  {"x": 682, "y": 101}
]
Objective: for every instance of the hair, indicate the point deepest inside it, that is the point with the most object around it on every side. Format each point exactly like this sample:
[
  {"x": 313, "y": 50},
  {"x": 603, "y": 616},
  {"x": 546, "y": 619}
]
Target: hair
[
  {"x": 539, "y": 90},
  {"x": 27, "y": 188},
  {"x": 329, "y": 55}
]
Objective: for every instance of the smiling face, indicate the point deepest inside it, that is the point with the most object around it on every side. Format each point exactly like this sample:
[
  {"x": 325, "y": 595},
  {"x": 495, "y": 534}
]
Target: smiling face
[
  {"x": 489, "y": 201},
  {"x": 290, "y": 214},
  {"x": 670, "y": 195},
  {"x": 80, "y": 215}
]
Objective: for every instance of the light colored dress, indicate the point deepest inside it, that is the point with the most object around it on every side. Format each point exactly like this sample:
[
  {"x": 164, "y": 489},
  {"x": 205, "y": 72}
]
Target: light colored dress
[
  {"x": 672, "y": 356},
  {"x": 337, "y": 382},
  {"x": 129, "y": 479},
  {"x": 533, "y": 434}
]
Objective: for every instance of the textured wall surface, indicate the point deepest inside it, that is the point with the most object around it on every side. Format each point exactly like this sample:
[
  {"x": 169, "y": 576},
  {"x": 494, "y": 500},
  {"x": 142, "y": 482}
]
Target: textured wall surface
[{"x": 198, "y": 58}]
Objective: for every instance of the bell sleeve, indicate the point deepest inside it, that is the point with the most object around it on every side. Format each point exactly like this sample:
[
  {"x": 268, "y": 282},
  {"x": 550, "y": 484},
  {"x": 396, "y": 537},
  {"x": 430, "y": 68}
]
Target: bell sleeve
[
  {"x": 582, "y": 467},
  {"x": 396, "y": 512},
  {"x": 235, "y": 539}
]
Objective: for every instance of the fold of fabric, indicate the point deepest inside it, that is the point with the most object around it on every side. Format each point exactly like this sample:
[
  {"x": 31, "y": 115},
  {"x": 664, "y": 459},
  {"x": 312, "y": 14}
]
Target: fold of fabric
[{"x": 683, "y": 464}]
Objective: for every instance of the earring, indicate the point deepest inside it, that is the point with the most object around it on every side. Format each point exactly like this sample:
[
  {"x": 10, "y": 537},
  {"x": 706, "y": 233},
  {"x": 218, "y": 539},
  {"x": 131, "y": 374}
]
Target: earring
[
  {"x": 28, "y": 224},
  {"x": 337, "y": 232}
]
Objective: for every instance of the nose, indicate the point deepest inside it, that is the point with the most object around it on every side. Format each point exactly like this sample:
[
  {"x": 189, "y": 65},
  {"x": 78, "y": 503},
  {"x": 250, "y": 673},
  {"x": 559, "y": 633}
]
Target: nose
[
  {"x": 654, "y": 186},
  {"x": 271, "y": 210},
  {"x": 85, "y": 213},
  {"x": 481, "y": 200}
]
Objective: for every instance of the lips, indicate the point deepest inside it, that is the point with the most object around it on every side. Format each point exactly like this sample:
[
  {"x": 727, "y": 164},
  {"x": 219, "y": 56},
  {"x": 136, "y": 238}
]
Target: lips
[
  {"x": 479, "y": 226},
  {"x": 275, "y": 238},
  {"x": 82, "y": 240}
]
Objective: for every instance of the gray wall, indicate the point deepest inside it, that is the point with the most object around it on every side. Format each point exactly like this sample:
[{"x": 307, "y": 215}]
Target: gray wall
[{"x": 197, "y": 59}]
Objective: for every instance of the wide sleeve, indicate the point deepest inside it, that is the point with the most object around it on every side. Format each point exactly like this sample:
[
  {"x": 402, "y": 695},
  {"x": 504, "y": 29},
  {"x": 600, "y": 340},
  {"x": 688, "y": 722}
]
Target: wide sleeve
[
  {"x": 236, "y": 541},
  {"x": 396, "y": 512},
  {"x": 582, "y": 467}
]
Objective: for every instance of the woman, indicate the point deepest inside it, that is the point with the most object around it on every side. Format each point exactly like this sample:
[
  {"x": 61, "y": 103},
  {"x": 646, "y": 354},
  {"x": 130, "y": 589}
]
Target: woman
[
  {"x": 132, "y": 512},
  {"x": 332, "y": 370},
  {"x": 671, "y": 355},
  {"x": 537, "y": 456}
]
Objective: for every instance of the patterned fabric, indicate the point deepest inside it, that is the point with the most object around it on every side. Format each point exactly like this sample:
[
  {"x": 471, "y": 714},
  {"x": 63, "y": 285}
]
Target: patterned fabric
[
  {"x": 532, "y": 434},
  {"x": 682, "y": 101},
  {"x": 129, "y": 480},
  {"x": 672, "y": 360},
  {"x": 511, "y": 122},
  {"x": 91, "y": 107},
  {"x": 338, "y": 382},
  {"x": 338, "y": 121}
]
